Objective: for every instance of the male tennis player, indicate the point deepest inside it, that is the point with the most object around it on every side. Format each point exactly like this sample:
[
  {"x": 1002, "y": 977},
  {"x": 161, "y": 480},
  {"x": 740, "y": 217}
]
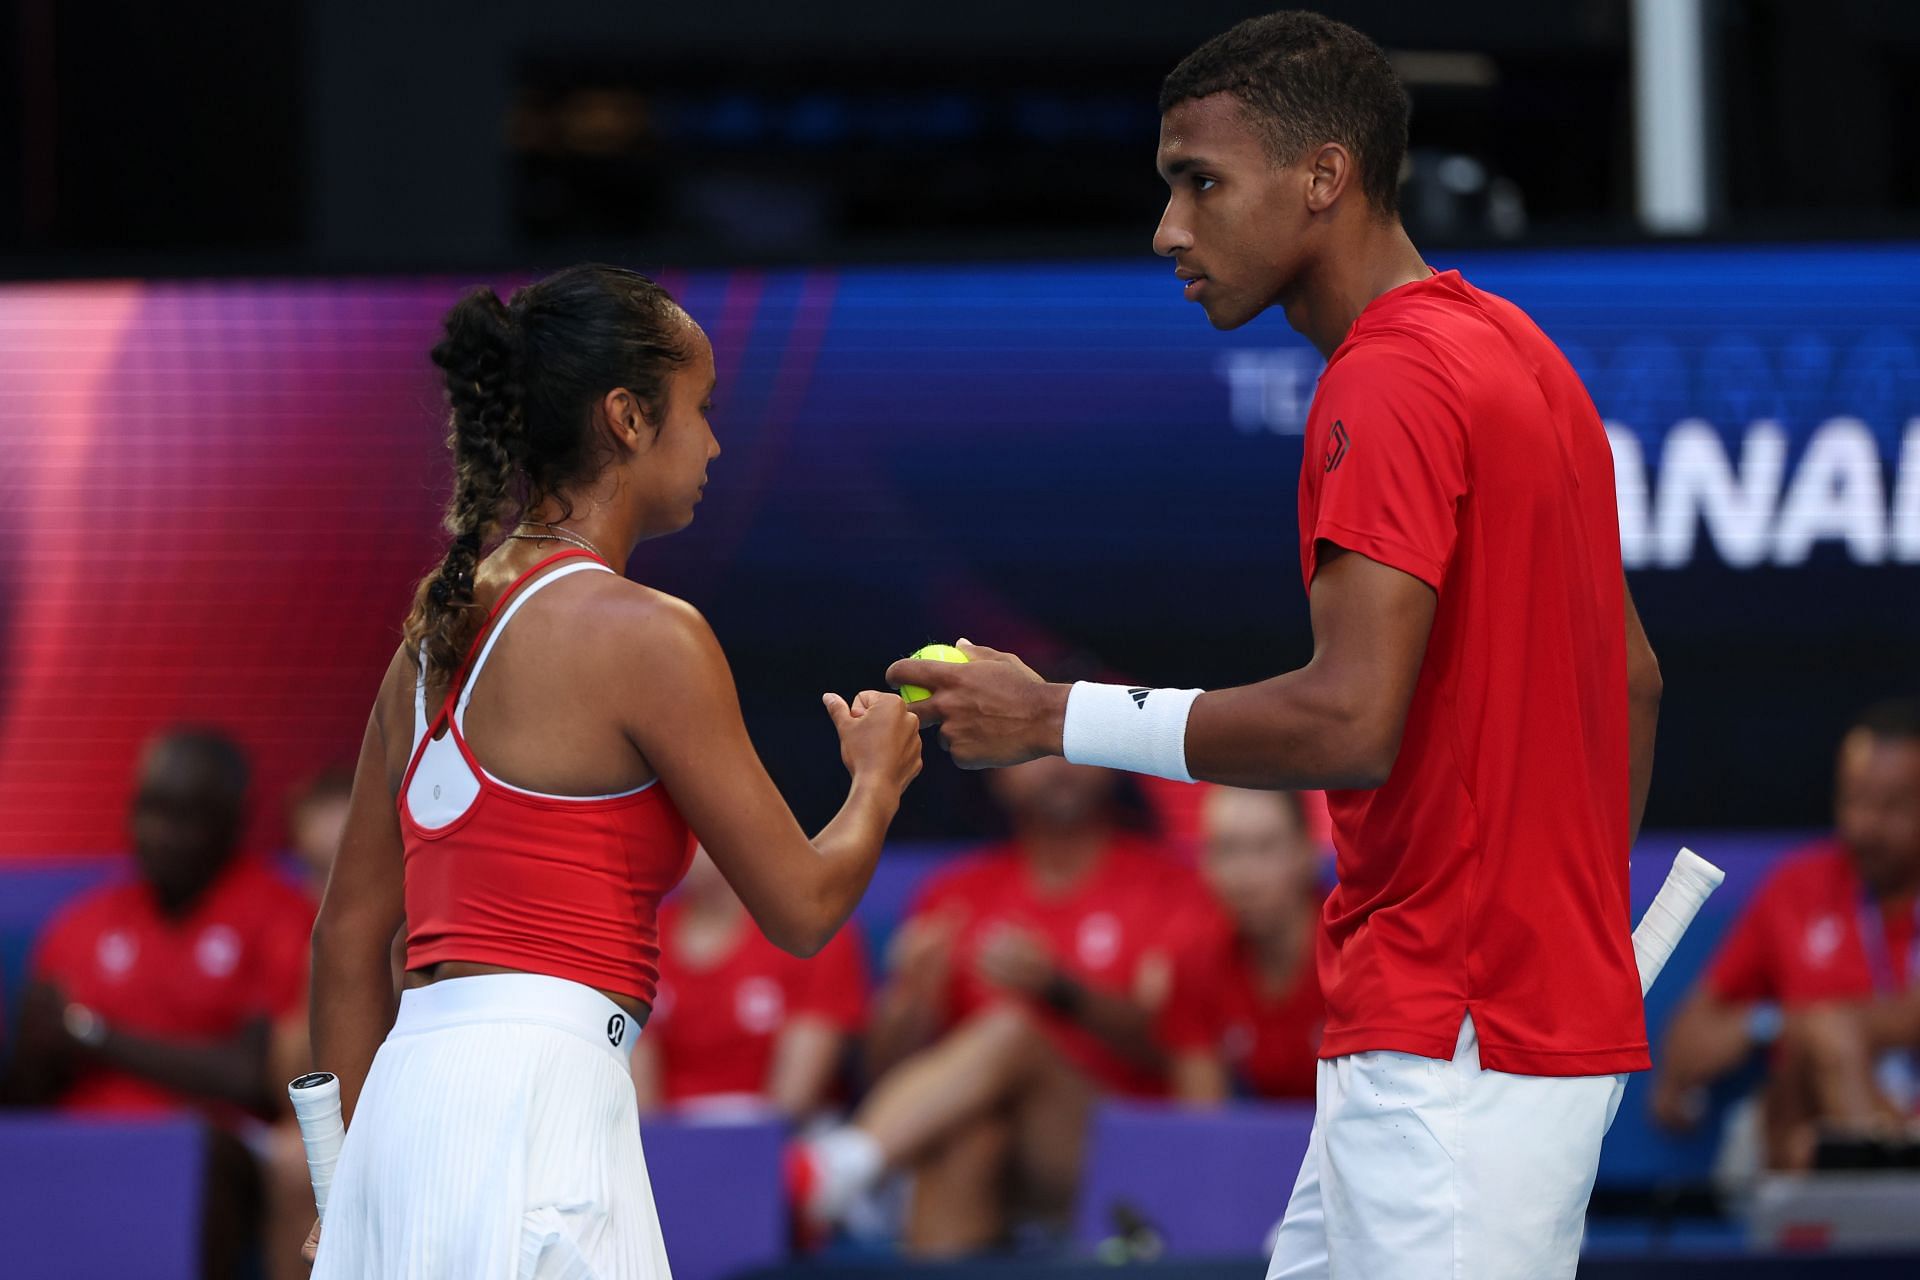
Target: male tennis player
[{"x": 1480, "y": 704}]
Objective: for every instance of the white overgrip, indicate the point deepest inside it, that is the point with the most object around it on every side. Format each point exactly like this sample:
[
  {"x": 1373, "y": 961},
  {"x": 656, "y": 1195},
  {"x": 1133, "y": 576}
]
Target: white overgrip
[
  {"x": 1691, "y": 881},
  {"x": 316, "y": 1105}
]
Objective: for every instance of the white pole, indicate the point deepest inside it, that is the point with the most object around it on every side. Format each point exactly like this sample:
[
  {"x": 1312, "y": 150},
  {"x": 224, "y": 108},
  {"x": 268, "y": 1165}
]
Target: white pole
[{"x": 1670, "y": 114}]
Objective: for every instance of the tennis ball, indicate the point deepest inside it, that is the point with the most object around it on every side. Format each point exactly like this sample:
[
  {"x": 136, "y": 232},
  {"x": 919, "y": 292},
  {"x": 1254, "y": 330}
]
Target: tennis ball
[{"x": 930, "y": 653}]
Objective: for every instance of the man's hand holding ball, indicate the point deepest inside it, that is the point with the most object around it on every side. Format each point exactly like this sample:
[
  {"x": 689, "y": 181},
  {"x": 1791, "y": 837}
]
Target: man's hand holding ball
[{"x": 991, "y": 708}]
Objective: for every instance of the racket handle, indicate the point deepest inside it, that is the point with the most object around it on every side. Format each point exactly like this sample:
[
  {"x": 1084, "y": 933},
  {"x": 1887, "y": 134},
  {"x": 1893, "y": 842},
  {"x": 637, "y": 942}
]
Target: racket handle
[
  {"x": 316, "y": 1105},
  {"x": 1688, "y": 885}
]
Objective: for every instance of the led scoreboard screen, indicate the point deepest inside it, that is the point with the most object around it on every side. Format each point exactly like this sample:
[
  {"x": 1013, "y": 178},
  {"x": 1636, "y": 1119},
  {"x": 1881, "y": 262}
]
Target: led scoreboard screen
[{"x": 218, "y": 495}]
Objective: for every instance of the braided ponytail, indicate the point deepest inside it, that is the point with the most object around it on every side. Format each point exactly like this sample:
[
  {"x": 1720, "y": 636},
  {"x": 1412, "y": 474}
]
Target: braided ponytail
[
  {"x": 486, "y": 437},
  {"x": 522, "y": 382}
]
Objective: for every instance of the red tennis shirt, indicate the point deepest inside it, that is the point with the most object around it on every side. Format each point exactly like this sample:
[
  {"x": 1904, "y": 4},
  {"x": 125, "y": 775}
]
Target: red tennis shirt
[
  {"x": 1810, "y": 934},
  {"x": 1134, "y": 906},
  {"x": 715, "y": 1026},
  {"x": 1450, "y": 439},
  {"x": 1268, "y": 1039},
  {"x": 240, "y": 955}
]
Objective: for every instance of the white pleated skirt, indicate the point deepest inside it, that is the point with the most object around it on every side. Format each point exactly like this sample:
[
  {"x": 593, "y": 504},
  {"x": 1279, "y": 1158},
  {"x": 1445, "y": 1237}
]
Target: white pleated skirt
[{"x": 496, "y": 1138}]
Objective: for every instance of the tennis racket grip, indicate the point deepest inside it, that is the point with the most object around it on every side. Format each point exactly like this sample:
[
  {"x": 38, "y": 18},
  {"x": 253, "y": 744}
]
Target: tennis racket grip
[
  {"x": 1692, "y": 880},
  {"x": 316, "y": 1105}
]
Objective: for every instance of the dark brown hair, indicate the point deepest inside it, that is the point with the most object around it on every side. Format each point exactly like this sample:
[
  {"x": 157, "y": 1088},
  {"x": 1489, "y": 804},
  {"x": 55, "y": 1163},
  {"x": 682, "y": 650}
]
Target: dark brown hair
[
  {"x": 1304, "y": 80},
  {"x": 522, "y": 379},
  {"x": 1894, "y": 720},
  {"x": 335, "y": 782}
]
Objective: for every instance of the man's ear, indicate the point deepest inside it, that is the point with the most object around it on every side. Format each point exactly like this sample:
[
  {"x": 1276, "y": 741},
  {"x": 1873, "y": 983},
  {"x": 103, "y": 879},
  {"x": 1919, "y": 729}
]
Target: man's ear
[{"x": 1330, "y": 171}]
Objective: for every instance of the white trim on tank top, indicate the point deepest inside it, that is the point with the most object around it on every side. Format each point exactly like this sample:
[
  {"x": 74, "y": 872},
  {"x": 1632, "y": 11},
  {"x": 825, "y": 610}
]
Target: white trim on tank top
[{"x": 443, "y": 786}]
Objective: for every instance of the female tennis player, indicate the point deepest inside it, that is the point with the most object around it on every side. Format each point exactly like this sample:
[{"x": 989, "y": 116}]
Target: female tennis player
[{"x": 541, "y": 742}]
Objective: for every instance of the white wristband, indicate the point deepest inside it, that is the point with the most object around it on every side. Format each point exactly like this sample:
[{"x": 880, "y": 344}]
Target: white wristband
[{"x": 1136, "y": 729}]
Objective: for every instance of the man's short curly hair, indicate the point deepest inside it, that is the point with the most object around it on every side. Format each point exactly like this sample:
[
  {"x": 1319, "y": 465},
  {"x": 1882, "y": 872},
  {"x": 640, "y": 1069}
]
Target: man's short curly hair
[{"x": 1304, "y": 80}]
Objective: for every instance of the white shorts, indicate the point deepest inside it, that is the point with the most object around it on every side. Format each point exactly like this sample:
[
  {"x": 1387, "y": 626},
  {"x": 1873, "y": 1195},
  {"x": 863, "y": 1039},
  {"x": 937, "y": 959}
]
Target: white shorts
[
  {"x": 496, "y": 1138},
  {"x": 1422, "y": 1169}
]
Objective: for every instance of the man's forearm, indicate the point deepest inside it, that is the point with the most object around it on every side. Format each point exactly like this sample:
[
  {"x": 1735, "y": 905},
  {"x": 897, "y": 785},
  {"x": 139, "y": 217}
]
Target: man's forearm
[
  {"x": 1118, "y": 1022},
  {"x": 234, "y": 1071},
  {"x": 1334, "y": 723},
  {"x": 903, "y": 1022},
  {"x": 1644, "y": 687},
  {"x": 1894, "y": 1022},
  {"x": 806, "y": 1057},
  {"x": 1643, "y": 718},
  {"x": 1706, "y": 1039},
  {"x": 645, "y": 1070},
  {"x": 34, "y": 1079},
  {"x": 1199, "y": 1078},
  {"x": 1294, "y": 732}
]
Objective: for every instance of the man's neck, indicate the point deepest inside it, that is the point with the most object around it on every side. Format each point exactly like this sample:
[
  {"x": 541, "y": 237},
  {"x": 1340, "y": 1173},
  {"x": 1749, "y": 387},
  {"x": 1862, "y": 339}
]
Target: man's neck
[
  {"x": 1902, "y": 890},
  {"x": 178, "y": 910},
  {"x": 185, "y": 905},
  {"x": 1367, "y": 261},
  {"x": 1280, "y": 949},
  {"x": 1060, "y": 856}
]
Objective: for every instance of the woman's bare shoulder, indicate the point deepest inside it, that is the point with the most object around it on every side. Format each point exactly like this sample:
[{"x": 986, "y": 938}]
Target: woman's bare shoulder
[
  {"x": 634, "y": 634},
  {"x": 626, "y": 611}
]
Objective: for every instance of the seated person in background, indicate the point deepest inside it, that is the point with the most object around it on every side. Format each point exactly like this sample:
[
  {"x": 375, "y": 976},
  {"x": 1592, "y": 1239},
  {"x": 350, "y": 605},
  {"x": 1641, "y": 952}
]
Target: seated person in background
[
  {"x": 1022, "y": 987},
  {"x": 158, "y": 993},
  {"x": 316, "y": 817},
  {"x": 1245, "y": 1014},
  {"x": 738, "y": 1024},
  {"x": 1823, "y": 965}
]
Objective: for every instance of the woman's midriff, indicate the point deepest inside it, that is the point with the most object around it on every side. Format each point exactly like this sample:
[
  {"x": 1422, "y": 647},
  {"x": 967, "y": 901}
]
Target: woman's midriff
[{"x": 637, "y": 1009}]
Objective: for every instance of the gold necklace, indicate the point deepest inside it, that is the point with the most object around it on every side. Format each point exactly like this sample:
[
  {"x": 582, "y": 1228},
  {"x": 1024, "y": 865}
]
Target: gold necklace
[{"x": 557, "y": 533}]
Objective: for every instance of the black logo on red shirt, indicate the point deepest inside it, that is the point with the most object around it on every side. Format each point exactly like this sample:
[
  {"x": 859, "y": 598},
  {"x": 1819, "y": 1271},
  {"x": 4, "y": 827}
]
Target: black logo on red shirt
[{"x": 1337, "y": 443}]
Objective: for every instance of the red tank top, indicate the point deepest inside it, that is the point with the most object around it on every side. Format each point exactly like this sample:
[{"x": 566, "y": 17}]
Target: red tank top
[{"x": 564, "y": 886}]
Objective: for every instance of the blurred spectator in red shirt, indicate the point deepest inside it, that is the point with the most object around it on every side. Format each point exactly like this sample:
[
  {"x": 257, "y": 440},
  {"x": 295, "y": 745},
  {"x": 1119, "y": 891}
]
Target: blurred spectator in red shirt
[
  {"x": 1023, "y": 985},
  {"x": 1245, "y": 1014},
  {"x": 159, "y": 993},
  {"x": 738, "y": 1025},
  {"x": 316, "y": 819},
  {"x": 1823, "y": 965}
]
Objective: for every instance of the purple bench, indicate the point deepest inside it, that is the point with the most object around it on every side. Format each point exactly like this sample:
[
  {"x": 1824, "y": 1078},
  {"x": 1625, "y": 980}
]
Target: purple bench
[
  {"x": 718, "y": 1188},
  {"x": 1212, "y": 1183},
  {"x": 109, "y": 1199},
  {"x": 83, "y": 1198}
]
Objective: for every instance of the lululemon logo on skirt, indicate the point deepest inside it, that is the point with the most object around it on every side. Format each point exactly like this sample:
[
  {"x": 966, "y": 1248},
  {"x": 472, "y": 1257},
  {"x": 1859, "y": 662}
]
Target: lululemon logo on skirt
[{"x": 616, "y": 1027}]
